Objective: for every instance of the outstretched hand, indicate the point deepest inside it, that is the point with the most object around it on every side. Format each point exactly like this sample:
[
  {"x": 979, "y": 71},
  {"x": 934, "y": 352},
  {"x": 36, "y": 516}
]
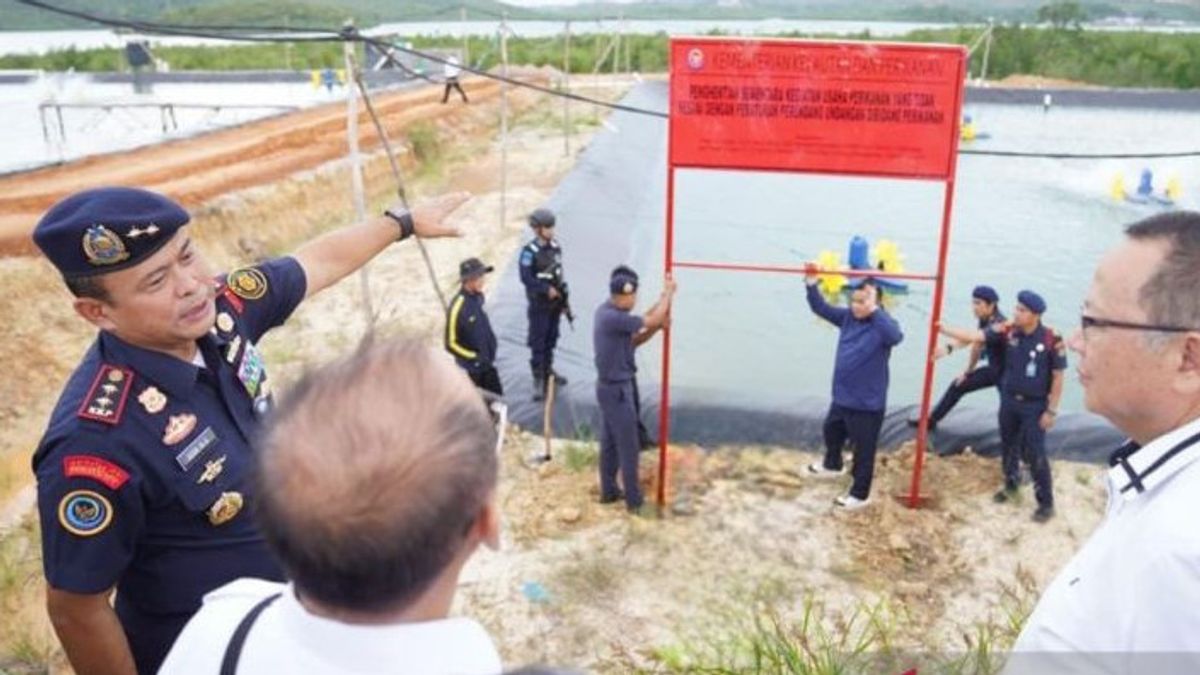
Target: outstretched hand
[{"x": 429, "y": 216}]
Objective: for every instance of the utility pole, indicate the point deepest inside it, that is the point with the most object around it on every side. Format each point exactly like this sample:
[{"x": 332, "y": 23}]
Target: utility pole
[
  {"x": 504, "y": 119},
  {"x": 566, "y": 83},
  {"x": 466, "y": 48},
  {"x": 987, "y": 50},
  {"x": 356, "y": 176}
]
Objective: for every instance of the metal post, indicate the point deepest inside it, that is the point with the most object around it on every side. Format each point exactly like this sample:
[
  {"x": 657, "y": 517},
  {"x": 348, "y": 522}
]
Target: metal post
[
  {"x": 466, "y": 48},
  {"x": 566, "y": 81},
  {"x": 987, "y": 50},
  {"x": 356, "y": 177},
  {"x": 62, "y": 127},
  {"x": 625, "y": 30},
  {"x": 42, "y": 117},
  {"x": 504, "y": 119},
  {"x": 617, "y": 43}
]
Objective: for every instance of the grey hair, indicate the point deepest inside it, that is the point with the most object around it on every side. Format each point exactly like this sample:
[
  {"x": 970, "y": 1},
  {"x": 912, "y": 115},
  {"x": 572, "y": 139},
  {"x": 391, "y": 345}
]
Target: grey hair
[{"x": 1171, "y": 296}]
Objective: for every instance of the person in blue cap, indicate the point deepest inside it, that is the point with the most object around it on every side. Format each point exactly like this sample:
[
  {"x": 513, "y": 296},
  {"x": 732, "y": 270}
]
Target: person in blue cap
[
  {"x": 616, "y": 333},
  {"x": 546, "y": 290},
  {"x": 142, "y": 474},
  {"x": 985, "y": 304},
  {"x": 1030, "y": 389},
  {"x": 866, "y": 336},
  {"x": 469, "y": 335}
]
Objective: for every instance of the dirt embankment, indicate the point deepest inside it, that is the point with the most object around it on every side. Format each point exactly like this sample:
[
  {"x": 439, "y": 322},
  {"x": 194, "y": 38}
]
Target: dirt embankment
[{"x": 197, "y": 169}]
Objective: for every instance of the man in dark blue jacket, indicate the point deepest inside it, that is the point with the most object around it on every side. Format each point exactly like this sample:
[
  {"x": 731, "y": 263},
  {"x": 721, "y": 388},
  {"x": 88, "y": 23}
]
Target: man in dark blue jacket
[
  {"x": 469, "y": 336},
  {"x": 860, "y": 381}
]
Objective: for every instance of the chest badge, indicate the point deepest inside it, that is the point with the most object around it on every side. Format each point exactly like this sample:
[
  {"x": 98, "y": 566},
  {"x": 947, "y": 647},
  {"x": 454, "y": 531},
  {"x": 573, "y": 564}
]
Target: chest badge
[
  {"x": 178, "y": 428},
  {"x": 224, "y": 322},
  {"x": 228, "y": 505},
  {"x": 212, "y": 470},
  {"x": 152, "y": 400}
]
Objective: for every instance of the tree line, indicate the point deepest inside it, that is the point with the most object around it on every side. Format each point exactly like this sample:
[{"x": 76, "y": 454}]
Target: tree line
[{"x": 1116, "y": 59}]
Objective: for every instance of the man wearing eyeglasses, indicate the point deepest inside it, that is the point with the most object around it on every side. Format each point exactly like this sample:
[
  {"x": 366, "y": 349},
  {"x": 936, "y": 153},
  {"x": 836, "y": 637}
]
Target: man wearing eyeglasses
[
  {"x": 1030, "y": 388},
  {"x": 1129, "y": 601}
]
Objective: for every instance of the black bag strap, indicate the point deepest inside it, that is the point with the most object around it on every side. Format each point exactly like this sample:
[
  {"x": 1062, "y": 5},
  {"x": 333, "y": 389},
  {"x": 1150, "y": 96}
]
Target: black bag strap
[{"x": 233, "y": 651}]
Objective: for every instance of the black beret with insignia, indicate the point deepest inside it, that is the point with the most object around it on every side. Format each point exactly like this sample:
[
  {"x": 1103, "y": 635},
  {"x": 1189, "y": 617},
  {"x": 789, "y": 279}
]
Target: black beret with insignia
[{"x": 106, "y": 229}]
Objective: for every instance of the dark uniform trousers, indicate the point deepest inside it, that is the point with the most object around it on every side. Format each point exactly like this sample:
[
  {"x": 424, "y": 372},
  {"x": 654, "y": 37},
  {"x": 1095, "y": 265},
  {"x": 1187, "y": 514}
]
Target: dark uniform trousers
[
  {"x": 487, "y": 378},
  {"x": 980, "y": 378},
  {"x": 544, "y": 318},
  {"x": 1024, "y": 439},
  {"x": 861, "y": 428},
  {"x": 619, "y": 443}
]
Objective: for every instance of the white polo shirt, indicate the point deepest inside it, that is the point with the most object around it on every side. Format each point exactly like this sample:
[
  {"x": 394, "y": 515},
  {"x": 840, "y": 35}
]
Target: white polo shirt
[
  {"x": 287, "y": 638},
  {"x": 1129, "y": 601}
]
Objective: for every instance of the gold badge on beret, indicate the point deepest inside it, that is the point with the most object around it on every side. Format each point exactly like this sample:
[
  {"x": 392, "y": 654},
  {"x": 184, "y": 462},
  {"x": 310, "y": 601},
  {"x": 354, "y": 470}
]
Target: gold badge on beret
[
  {"x": 225, "y": 508},
  {"x": 103, "y": 247},
  {"x": 247, "y": 283}
]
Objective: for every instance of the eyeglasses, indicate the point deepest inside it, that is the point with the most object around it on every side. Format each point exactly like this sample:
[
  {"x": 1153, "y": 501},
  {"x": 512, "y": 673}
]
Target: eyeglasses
[{"x": 1086, "y": 322}]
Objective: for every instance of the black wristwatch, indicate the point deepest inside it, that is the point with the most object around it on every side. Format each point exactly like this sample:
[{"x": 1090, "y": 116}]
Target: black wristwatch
[{"x": 405, "y": 220}]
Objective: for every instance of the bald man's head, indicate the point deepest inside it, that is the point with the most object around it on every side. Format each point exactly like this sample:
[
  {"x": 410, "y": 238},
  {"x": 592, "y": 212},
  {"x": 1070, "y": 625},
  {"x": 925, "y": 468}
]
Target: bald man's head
[{"x": 373, "y": 474}]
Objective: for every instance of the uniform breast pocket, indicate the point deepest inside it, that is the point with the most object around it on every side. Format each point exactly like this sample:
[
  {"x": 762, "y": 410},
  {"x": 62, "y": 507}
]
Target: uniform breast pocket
[{"x": 211, "y": 485}]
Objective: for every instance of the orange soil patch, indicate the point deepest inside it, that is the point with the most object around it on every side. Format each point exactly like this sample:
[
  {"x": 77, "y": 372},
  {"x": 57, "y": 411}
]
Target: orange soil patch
[{"x": 197, "y": 169}]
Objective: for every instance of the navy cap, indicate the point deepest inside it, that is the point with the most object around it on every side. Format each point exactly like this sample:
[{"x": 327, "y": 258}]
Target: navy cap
[
  {"x": 541, "y": 218},
  {"x": 986, "y": 294},
  {"x": 1032, "y": 301},
  {"x": 106, "y": 229},
  {"x": 623, "y": 281},
  {"x": 472, "y": 268}
]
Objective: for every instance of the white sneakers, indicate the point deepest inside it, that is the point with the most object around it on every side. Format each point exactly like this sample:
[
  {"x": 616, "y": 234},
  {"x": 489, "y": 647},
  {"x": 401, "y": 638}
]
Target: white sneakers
[
  {"x": 850, "y": 502},
  {"x": 847, "y": 501},
  {"x": 818, "y": 470}
]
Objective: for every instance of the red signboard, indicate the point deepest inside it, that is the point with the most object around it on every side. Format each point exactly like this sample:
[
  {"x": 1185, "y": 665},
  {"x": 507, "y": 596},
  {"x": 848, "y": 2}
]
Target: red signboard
[{"x": 863, "y": 108}]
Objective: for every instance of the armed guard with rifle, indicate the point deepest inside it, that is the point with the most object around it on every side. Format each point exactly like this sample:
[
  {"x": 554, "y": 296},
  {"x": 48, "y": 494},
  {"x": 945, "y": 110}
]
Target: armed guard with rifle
[{"x": 548, "y": 296}]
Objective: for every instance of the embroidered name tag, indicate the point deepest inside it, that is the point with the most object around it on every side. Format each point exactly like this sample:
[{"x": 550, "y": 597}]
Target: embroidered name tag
[{"x": 196, "y": 448}]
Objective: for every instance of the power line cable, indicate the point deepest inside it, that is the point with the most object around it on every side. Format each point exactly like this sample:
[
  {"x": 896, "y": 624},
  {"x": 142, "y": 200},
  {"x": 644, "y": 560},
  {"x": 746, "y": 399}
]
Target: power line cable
[{"x": 352, "y": 34}]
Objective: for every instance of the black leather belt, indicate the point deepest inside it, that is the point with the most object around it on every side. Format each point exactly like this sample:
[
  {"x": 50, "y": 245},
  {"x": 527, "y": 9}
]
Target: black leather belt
[{"x": 1023, "y": 397}]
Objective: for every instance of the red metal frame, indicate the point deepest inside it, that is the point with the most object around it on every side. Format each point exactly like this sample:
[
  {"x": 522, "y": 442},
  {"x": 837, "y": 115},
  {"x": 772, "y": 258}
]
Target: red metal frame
[{"x": 938, "y": 279}]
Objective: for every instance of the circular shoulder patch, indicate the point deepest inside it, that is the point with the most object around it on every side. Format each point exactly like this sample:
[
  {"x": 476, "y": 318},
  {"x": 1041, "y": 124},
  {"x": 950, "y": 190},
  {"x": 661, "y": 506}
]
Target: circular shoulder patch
[
  {"x": 84, "y": 513},
  {"x": 247, "y": 282}
]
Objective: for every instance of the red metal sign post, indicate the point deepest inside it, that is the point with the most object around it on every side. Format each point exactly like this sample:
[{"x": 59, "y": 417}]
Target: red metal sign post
[{"x": 867, "y": 109}]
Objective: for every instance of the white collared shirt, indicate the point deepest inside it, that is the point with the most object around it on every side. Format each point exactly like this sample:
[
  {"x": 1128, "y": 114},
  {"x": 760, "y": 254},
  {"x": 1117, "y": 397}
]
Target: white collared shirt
[
  {"x": 287, "y": 638},
  {"x": 1129, "y": 601}
]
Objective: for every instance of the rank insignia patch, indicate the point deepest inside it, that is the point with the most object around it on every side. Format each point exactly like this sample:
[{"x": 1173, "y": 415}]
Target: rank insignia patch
[
  {"x": 105, "y": 401},
  {"x": 247, "y": 283},
  {"x": 84, "y": 513}
]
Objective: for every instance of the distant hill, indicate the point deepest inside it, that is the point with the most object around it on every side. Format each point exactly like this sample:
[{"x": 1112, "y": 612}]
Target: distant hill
[
  {"x": 299, "y": 13},
  {"x": 325, "y": 13}
]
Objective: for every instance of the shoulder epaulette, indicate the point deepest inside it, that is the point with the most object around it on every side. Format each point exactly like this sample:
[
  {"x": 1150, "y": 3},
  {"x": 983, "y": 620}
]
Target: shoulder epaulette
[{"x": 105, "y": 401}]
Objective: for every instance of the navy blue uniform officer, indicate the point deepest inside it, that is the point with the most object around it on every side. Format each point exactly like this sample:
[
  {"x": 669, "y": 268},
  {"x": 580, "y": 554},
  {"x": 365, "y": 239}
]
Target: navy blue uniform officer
[
  {"x": 546, "y": 291},
  {"x": 142, "y": 470},
  {"x": 616, "y": 333},
  {"x": 1030, "y": 390},
  {"x": 985, "y": 305}
]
